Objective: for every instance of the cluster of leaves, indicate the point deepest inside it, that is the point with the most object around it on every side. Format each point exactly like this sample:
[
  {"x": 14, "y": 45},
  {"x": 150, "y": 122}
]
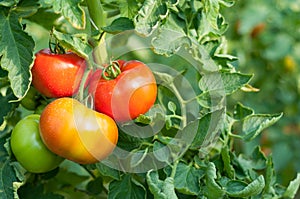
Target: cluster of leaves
[
  {"x": 196, "y": 133},
  {"x": 272, "y": 53}
]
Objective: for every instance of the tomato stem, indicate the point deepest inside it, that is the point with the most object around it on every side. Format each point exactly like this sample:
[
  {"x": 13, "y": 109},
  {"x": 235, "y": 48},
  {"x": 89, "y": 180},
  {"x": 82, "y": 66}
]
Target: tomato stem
[
  {"x": 80, "y": 94},
  {"x": 111, "y": 71},
  {"x": 55, "y": 46}
]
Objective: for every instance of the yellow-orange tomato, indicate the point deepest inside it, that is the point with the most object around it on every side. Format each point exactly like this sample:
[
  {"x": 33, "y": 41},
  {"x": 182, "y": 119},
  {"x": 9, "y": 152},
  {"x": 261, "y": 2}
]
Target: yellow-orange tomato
[{"x": 75, "y": 132}]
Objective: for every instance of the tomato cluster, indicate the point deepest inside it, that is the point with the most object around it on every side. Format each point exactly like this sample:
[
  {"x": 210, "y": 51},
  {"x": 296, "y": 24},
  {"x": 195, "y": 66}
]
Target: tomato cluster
[{"x": 66, "y": 128}]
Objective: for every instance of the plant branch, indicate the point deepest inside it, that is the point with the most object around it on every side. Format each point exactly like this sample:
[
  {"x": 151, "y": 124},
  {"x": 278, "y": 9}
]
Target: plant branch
[{"x": 97, "y": 14}]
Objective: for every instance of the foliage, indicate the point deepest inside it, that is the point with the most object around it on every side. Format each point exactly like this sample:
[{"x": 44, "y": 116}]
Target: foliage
[
  {"x": 264, "y": 36},
  {"x": 184, "y": 147}
]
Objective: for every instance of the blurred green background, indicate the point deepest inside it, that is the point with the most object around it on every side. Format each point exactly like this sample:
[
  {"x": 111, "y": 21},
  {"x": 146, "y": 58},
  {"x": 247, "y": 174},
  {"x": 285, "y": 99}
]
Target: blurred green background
[{"x": 265, "y": 36}]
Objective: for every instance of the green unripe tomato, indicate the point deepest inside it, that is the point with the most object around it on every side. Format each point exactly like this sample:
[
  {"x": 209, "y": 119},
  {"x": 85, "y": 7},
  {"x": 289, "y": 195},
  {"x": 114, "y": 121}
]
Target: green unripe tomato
[
  {"x": 29, "y": 101},
  {"x": 29, "y": 149}
]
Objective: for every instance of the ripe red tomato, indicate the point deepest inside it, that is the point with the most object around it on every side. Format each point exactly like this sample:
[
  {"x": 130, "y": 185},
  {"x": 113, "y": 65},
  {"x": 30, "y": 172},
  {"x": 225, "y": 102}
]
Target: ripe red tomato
[
  {"x": 75, "y": 132},
  {"x": 57, "y": 75},
  {"x": 130, "y": 94}
]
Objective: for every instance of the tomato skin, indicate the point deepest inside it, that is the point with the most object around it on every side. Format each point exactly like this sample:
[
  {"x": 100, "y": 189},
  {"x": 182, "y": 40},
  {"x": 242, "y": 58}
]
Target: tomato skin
[
  {"x": 57, "y": 75},
  {"x": 131, "y": 93},
  {"x": 29, "y": 149},
  {"x": 71, "y": 130}
]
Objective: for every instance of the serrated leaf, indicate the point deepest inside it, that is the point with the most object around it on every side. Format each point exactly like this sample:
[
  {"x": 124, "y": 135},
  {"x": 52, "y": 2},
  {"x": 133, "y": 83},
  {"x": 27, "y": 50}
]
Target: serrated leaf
[
  {"x": 257, "y": 161},
  {"x": 187, "y": 178},
  {"x": 126, "y": 188},
  {"x": 16, "y": 49},
  {"x": 76, "y": 44},
  {"x": 202, "y": 132},
  {"x": 223, "y": 82},
  {"x": 225, "y": 154},
  {"x": 71, "y": 10},
  {"x": 270, "y": 177},
  {"x": 171, "y": 36},
  {"x": 128, "y": 8},
  {"x": 107, "y": 171},
  {"x": 212, "y": 190},
  {"x": 255, "y": 124},
  {"x": 7, "y": 178},
  {"x": 293, "y": 187},
  {"x": 149, "y": 16},
  {"x": 161, "y": 189},
  {"x": 236, "y": 188},
  {"x": 241, "y": 111},
  {"x": 6, "y": 104},
  {"x": 119, "y": 25}
]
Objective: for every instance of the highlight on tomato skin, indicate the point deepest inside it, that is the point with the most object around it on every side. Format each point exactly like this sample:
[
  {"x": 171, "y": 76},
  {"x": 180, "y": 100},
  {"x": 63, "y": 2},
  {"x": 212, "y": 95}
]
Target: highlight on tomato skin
[
  {"x": 57, "y": 75},
  {"x": 75, "y": 132},
  {"x": 131, "y": 93}
]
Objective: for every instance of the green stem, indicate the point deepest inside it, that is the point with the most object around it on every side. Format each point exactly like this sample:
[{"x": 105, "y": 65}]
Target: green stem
[
  {"x": 174, "y": 167},
  {"x": 183, "y": 108},
  {"x": 97, "y": 14},
  {"x": 80, "y": 95}
]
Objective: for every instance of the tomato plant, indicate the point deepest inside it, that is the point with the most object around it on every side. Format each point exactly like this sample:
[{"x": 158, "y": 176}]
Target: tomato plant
[
  {"x": 128, "y": 95},
  {"x": 29, "y": 149},
  {"x": 77, "y": 133},
  {"x": 57, "y": 75},
  {"x": 199, "y": 139}
]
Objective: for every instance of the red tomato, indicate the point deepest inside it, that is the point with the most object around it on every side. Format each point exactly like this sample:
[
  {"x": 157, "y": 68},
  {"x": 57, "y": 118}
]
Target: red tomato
[
  {"x": 131, "y": 93},
  {"x": 71, "y": 130},
  {"x": 57, "y": 75}
]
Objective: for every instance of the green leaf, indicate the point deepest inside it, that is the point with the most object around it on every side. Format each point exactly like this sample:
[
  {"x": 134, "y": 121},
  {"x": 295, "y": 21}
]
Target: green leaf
[
  {"x": 270, "y": 177},
  {"x": 223, "y": 82},
  {"x": 241, "y": 111},
  {"x": 45, "y": 17},
  {"x": 212, "y": 190},
  {"x": 75, "y": 43},
  {"x": 26, "y": 8},
  {"x": 8, "y": 177},
  {"x": 171, "y": 36},
  {"x": 128, "y": 8},
  {"x": 187, "y": 178},
  {"x": 119, "y": 25},
  {"x": 225, "y": 154},
  {"x": 95, "y": 186},
  {"x": 138, "y": 157},
  {"x": 16, "y": 49},
  {"x": 211, "y": 22},
  {"x": 236, "y": 188},
  {"x": 257, "y": 161},
  {"x": 71, "y": 10},
  {"x": 126, "y": 188},
  {"x": 107, "y": 171},
  {"x": 161, "y": 152},
  {"x": 8, "y": 3},
  {"x": 161, "y": 189},
  {"x": 150, "y": 15},
  {"x": 6, "y": 104},
  {"x": 253, "y": 125},
  {"x": 293, "y": 187},
  {"x": 37, "y": 190},
  {"x": 202, "y": 132}
]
